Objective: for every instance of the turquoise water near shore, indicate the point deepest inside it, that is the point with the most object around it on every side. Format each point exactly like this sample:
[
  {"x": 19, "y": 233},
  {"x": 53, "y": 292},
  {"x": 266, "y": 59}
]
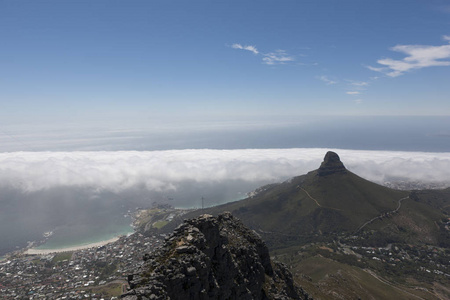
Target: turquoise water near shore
[{"x": 79, "y": 235}]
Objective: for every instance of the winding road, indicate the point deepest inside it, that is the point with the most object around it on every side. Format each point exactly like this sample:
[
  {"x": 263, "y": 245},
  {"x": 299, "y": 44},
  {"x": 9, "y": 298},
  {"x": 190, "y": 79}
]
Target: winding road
[
  {"x": 317, "y": 202},
  {"x": 382, "y": 215},
  {"x": 368, "y": 222}
]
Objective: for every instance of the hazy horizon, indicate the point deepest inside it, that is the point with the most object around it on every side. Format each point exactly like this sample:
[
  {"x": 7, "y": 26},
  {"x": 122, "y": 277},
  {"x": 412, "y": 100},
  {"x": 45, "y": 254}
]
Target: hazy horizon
[
  {"x": 393, "y": 133},
  {"x": 85, "y": 195},
  {"x": 117, "y": 104}
]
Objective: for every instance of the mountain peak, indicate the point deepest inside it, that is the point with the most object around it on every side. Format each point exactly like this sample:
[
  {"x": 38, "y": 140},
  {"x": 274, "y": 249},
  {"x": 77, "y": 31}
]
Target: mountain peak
[
  {"x": 331, "y": 165},
  {"x": 212, "y": 258}
]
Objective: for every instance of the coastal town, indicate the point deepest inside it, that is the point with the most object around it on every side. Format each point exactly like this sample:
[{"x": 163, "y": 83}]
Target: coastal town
[
  {"x": 93, "y": 273},
  {"x": 101, "y": 270}
]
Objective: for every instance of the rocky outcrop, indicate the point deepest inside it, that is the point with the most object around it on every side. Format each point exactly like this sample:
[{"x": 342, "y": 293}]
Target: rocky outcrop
[
  {"x": 212, "y": 258},
  {"x": 331, "y": 165}
]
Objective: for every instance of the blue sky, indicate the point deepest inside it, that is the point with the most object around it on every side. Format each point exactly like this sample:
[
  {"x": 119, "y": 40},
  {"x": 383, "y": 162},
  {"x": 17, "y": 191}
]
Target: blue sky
[
  {"x": 117, "y": 95},
  {"x": 132, "y": 62}
]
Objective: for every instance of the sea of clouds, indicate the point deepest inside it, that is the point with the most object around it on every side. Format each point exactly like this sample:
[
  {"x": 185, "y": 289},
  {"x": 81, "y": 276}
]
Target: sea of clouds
[
  {"x": 88, "y": 192},
  {"x": 161, "y": 171}
]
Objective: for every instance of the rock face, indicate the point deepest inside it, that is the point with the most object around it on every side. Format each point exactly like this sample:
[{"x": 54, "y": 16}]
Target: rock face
[
  {"x": 331, "y": 165},
  {"x": 212, "y": 258}
]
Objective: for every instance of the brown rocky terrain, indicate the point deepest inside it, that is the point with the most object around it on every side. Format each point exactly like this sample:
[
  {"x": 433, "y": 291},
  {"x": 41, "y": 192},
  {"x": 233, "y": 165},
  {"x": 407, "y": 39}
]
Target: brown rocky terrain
[{"x": 212, "y": 258}]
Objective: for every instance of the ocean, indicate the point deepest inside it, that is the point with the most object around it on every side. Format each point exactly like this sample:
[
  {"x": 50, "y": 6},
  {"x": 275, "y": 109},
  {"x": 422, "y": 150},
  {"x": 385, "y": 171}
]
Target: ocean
[
  {"x": 84, "y": 200},
  {"x": 72, "y": 214},
  {"x": 81, "y": 234}
]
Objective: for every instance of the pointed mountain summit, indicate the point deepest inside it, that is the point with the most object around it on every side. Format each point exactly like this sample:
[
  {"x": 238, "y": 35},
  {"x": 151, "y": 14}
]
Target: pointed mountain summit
[
  {"x": 312, "y": 219},
  {"x": 331, "y": 165},
  {"x": 328, "y": 200}
]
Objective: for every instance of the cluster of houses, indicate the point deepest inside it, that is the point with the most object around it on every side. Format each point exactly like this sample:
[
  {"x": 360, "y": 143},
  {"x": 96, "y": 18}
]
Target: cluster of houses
[
  {"x": 73, "y": 275},
  {"x": 424, "y": 258}
]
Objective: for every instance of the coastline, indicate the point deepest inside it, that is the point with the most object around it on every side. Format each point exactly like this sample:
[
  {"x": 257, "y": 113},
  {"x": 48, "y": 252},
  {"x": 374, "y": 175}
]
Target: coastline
[{"x": 35, "y": 251}]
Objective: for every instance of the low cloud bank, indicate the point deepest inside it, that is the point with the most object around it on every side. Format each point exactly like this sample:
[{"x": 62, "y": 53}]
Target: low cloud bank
[{"x": 168, "y": 170}]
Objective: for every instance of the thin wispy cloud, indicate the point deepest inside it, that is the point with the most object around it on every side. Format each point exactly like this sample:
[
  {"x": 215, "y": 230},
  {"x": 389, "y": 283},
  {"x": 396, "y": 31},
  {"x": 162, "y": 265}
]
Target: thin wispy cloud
[
  {"x": 327, "y": 80},
  {"x": 248, "y": 48},
  {"x": 417, "y": 57},
  {"x": 277, "y": 57},
  {"x": 358, "y": 101},
  {"x": 358, "y": 84},
  {"x": 353, "y": 93},
  {"x": 379, "y": 69}
]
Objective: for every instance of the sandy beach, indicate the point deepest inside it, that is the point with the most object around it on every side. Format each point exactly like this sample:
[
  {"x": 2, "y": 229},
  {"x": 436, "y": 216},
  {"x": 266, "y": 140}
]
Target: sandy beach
[{"x": 34, "y": 251}]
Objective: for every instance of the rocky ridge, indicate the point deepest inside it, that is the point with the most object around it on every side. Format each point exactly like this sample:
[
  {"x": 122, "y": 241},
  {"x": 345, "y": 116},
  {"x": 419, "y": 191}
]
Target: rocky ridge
[
  {"x": 331, "y": 165},
  {"x": 212, "y": 258}
]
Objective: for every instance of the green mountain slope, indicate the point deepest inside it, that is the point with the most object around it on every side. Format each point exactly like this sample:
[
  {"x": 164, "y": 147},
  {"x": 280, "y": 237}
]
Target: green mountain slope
[
  {"x": 422, "y": 219},
  {"x": 345, "y": 237},
  {"x": 328, "y": 200},
  {"x": 333, "y": 201}
]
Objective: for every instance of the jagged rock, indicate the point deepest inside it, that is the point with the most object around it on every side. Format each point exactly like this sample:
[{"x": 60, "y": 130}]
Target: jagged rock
[
  {"x": 212, "y": 258},
  {"x": 331, "y": 165}
]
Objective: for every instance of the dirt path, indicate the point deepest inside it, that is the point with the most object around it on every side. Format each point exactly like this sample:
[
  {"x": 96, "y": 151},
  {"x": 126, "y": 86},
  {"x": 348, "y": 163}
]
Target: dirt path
[
  {"x": 315, "y": 200},
  {"x": 397, "y": 288},
  {"x": 382, "y": 215}
]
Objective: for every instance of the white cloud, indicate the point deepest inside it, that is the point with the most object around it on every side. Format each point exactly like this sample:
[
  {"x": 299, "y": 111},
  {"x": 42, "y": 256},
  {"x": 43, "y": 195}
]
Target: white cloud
[
  {"x": 353, "y": 93},
  {"x": 417, "y": 57},
  {"x": 446, "y": 38},
  {"x": 277, "y": 57},
  {"x": 248, "y": 48},
  {"x": 358, "y": 84},
  {"x": 327, "y": 80},
  {"x": 168, "y": 170},
  {"x": 376, "y": 69}
]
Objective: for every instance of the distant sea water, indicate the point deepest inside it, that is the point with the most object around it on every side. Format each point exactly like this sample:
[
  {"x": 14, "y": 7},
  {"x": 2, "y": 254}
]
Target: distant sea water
[
  {"x": 71, "y": 214},
  {"x": 392, "y": 133},
  {"x": 94, "y": 221},
  {"x": 78, "y": 235}
]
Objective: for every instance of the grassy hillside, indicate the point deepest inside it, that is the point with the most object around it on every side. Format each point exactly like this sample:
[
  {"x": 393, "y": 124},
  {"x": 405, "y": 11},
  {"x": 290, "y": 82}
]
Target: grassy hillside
[
  {"x": 348, "y": 238},
  {"x": 325, "y": 278},
  {"x": 313, "y": 207},
  {"x": 421, "y": 220},
  {"x": 356, "y": 198},
  {"x": 311, "y": 204}
]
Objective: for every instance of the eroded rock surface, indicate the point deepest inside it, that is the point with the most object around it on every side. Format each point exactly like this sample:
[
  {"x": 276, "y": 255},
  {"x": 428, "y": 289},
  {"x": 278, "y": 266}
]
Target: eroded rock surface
[
  {"x": 331, "y": 165},
  {"x": 212, "y": 258}
]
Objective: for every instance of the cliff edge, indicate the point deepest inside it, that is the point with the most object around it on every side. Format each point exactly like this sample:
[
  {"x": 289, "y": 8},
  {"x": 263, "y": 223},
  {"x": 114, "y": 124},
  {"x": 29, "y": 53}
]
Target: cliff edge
[
  {"x": 212, "y": 258},
  {"x": 331, "y": 165}
]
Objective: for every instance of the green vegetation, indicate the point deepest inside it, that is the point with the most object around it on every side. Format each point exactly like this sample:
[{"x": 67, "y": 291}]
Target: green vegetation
[
  {"x": 160, "y": 224},
  {"x": 328, "y": 274},
  {"x": 346, "y": 237},
  {"x": 105, "y": 269},
  {"x": 62, "y": 256},
  {"x": 147, "y": 216},
  {"x": 156, "y": 218},
  {"x": 37, "y": 261},
  {"x": 312, "y": 206},
  {"x": 109, "y": 290}
]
